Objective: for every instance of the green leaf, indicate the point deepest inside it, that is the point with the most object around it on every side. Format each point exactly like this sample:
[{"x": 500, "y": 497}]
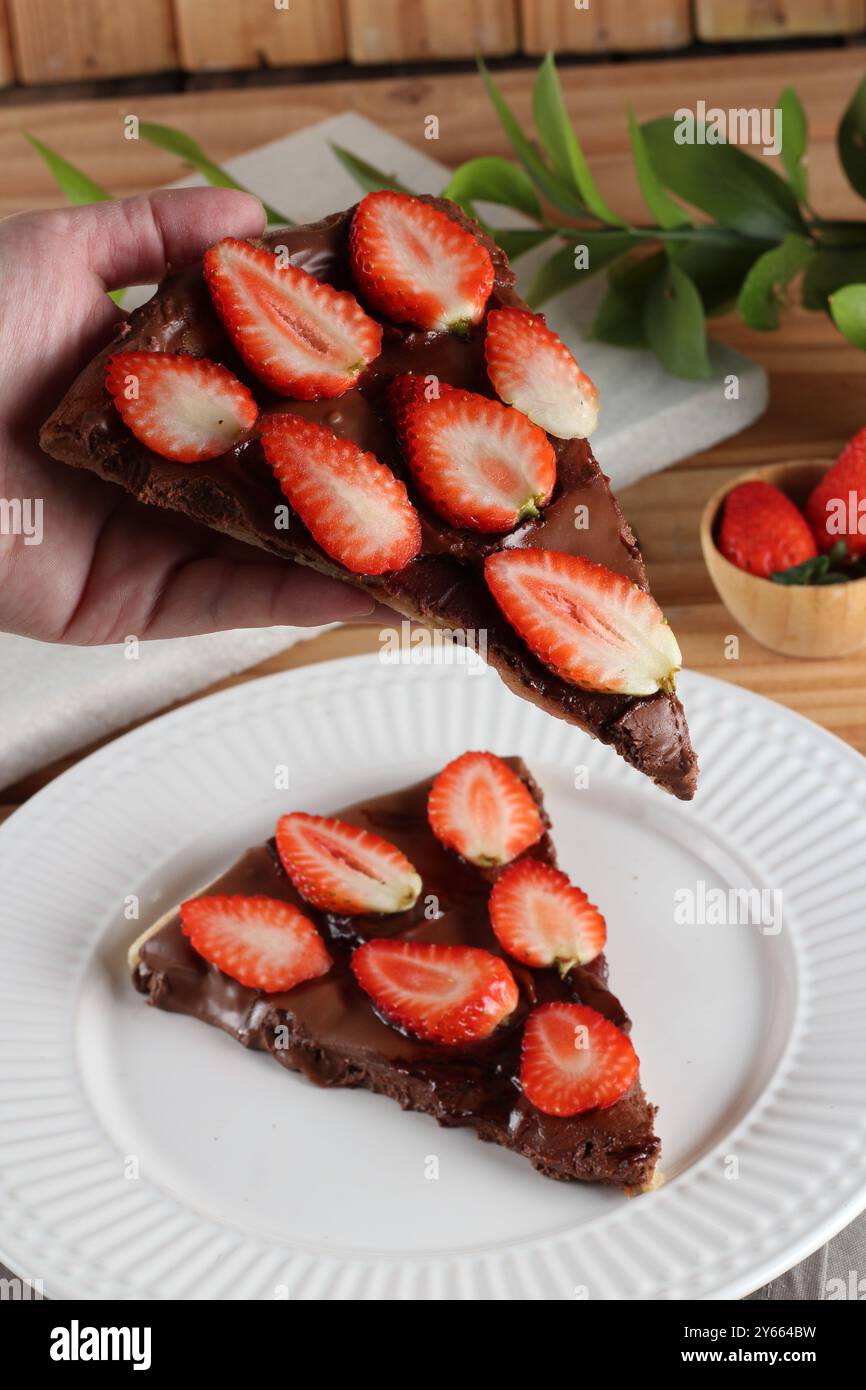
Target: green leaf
[
  {"x": 795, "y": 136},
  {"x": 848, "y": 311},
  {"x": 619, "y": 319},
  {"x": 833, "y": 266},
  {"x": 762, "y": 294},
  {"x": 493, "y": 180},
  {"x": 674, "y": 324},
  {"x": 367, "y": 175},
  {"x": 807, "y": 572},
  {"x": 176, "y": 142},
  {"x": 717, "y": 268},
  {"x": 516, "y": 241},
  {"x": 740, "y": 192},
  {"x": 554, "y": 188},
  {"x": 819, "y": 569},
  {"x": 560, "y": 272},
  {"x": 561, "y": 143},
  {"x": 851, "y": 140},
  {"x": 666, "y": 212},
  {"x": 840, "y": 259},
  {"x": 76, "y": 186}
]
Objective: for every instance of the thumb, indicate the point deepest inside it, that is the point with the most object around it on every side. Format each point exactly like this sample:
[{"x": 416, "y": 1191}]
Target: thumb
[{"x": 134, "y": 241}]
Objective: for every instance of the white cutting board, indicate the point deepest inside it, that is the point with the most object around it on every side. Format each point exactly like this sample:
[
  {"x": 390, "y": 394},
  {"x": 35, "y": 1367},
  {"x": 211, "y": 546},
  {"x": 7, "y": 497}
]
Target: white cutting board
[{"x": 54, "y": 700}]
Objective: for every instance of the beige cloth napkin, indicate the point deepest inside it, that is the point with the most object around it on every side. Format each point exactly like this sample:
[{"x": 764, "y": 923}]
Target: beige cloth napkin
[{"x": 54, "y": 700}]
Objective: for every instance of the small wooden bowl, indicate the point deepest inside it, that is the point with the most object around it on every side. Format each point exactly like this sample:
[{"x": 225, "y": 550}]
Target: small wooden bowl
[{"x": 817, "y": 620}]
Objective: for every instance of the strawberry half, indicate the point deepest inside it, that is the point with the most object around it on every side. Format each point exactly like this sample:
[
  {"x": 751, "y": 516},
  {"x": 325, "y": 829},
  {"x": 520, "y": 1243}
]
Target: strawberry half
[
  {"x": 351, "y": 504},
  {"x": 480, "y": 808},
  {"x": 540, "y": 918},
  {"x": 340, "y": 868},
  {"x": 761, "y": 530},
  {"x": 836, "y": 508},
  {"x": 262, "y": 943},
  {"x": 593, "y": 627},
  {"x": 414, "y": 264},
  {"x": 531, "y": 368},
  {"x": 574, "y": 1059},
  {"x": 444, "y": 994},
  {"x": 480, "y": 464},
  {"x": 298, "y": 334},
  {"x": 406, "y": 391},
  {"x": 185, "y": 408}
]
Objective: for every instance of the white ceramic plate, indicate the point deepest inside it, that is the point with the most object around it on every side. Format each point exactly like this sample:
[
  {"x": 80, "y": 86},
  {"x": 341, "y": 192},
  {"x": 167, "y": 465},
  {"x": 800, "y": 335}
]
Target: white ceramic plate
[{"x": 143, "y": 1155}]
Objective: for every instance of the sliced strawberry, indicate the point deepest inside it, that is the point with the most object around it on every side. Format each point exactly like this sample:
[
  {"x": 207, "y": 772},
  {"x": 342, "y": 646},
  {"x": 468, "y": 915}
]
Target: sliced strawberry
[
  {"x": 530, "y": 367},
  {"x": 444, "y": 994},
  {"x": 414, "y": 264},
  {"x": 298, "y": 334},
  {"x": 340, "y": 868},
  {"x": 352, "y": 504},
  {"x": 574, "y": 1059},
  {"x": 480, "y": 808},
  {"x": 480, "y": 464},
  {"x": 540, "y": 918},
  {"x": 406, "y": 391},
  {"x": 262, "y": 943},
  {"x": 591, "y": 626},
  {"x": 185, "y": 408}
]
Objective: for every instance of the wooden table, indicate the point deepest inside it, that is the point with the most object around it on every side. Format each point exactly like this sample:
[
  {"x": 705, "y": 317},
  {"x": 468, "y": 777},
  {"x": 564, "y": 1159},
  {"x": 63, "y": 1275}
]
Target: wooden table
[{"x": 818, "y": 384}]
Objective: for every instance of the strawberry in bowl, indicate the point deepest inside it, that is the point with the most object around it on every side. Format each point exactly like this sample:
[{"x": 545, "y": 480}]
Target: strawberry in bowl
[{"x": 792, "y": 583}]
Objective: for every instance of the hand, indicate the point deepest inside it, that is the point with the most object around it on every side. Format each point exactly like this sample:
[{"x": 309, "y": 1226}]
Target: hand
[{"x": 107, "y": 567}]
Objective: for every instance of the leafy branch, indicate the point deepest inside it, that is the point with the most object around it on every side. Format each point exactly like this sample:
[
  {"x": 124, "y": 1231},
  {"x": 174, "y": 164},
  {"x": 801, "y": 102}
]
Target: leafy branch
[{"x": 726, "y": 230}]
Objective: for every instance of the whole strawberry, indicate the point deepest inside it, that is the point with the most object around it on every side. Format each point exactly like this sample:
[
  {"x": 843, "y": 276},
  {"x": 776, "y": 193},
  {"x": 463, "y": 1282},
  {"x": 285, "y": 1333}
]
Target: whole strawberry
[
  {"x": 836, "y": 509},
  {"x": 762, "y": 531}
]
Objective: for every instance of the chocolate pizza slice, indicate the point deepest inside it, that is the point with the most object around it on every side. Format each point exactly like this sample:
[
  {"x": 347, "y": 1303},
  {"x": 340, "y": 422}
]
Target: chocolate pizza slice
[
  {"x": 368, "y": 395},
  {"x": 425, "y": 946}
]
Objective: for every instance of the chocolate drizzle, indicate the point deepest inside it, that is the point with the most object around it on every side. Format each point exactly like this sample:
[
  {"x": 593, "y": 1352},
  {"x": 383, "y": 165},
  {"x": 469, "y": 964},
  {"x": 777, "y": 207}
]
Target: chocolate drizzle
[
  {"x": 329, "y": 1030},
  {"x": 443, "y": 586}
]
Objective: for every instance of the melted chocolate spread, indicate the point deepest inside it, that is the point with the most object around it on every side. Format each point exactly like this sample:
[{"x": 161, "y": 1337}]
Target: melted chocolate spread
[
  {"x": 329, "y": 1029},
  {"x": 237, "y": 493}
]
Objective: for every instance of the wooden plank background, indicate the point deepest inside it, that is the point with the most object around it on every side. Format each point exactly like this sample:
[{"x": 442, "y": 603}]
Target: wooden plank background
[
  {"x": 73, "y": 40},
  {"x": 7, "y": 68},
  {"x": 606, "y": 26},
  {"x": 63, "y": 40},
  {"x": 213, "y": 34},
  {"x": 382, "y": 31},
  {"x": 717, "y": 20}
]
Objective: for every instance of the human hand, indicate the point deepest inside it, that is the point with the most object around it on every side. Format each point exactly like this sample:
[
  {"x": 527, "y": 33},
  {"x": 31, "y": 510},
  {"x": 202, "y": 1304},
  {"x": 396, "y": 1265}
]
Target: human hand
[{"x": 107, "y": 567}]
